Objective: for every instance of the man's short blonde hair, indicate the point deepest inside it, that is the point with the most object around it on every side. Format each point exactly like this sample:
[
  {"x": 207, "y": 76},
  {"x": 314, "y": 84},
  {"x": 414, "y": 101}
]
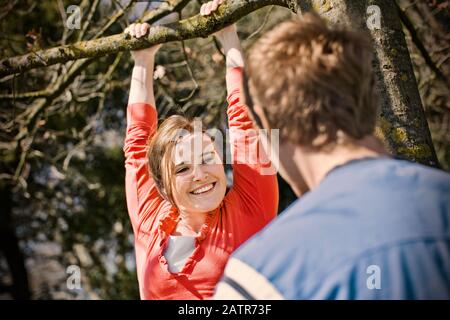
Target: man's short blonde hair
[{"x": 313, "y": 81}]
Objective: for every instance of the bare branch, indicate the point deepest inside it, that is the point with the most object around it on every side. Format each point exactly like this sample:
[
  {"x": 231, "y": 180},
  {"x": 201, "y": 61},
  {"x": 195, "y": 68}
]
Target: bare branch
[
  {"x": 262, "y": 25},
  {"x": 191, "y": 74},
  {"x": 90, "y": 15},
  {"x": 25, "y": 95},
  {"x": 113, "y": 19}
]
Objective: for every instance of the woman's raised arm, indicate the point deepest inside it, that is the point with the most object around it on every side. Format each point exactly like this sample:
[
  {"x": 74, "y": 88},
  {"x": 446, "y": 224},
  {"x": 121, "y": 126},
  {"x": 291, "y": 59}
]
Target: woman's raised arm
[
  {"x": 141, "y": 88},
  {"x": 253, "y": 176},
  {"x": 143, "y": 199}
]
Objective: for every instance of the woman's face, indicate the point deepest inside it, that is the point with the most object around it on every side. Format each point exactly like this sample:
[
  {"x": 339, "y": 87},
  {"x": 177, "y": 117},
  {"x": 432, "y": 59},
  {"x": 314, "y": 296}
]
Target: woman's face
[{"x": 199, "y": 182}]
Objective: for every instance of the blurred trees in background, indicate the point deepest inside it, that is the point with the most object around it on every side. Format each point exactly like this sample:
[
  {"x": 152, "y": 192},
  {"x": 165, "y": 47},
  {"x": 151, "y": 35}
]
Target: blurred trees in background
[{"x": 62, "y": 129}]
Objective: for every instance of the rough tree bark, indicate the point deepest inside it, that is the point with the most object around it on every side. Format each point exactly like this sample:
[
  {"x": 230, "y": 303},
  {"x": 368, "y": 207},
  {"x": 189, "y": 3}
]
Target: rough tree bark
[{"x": 402, "y": 121}]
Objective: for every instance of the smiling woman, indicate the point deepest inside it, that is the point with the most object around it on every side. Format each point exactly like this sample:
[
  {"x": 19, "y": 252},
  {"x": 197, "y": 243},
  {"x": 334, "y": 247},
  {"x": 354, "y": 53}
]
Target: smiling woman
[
  {"x": 183, "y": 161},
  {"x": 185, "y": 223}
]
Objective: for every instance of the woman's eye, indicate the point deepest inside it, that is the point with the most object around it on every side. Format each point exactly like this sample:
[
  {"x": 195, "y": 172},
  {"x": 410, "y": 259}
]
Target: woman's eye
[
  {"x": 209, "y": 160},
  {"x": 181, "y": 170}
]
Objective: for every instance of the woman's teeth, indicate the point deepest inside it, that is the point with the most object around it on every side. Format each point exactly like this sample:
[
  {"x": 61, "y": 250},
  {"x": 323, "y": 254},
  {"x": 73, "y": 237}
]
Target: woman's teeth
[{"x": 203, "y": 189}]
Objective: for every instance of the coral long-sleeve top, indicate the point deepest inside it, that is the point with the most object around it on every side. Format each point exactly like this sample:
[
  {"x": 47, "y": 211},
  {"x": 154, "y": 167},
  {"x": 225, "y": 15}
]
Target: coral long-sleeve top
[{"x": 247, "y": 207}]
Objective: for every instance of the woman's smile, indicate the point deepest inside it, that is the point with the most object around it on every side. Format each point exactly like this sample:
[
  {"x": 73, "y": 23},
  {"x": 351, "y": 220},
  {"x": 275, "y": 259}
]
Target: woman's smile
[{"x": 204, "y": 189}]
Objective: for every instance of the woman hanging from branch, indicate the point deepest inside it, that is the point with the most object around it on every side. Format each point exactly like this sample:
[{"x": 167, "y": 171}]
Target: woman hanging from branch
[{"x": 185, "y": 222}]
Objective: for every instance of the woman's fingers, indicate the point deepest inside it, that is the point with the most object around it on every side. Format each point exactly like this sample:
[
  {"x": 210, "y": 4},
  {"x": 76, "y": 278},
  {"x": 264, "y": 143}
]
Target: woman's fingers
[
  {"x": 202, "y": 9},
  {"x": 214, "y": 5},
  {"x": 127, "y": 30},
  {"x": 130, "y": 30},
  {"x": 133, "y": 30},
  {"x": 144, "y": 28},
  {"x": 137, "y": 29},
  {"x": 210, "y": 6}
]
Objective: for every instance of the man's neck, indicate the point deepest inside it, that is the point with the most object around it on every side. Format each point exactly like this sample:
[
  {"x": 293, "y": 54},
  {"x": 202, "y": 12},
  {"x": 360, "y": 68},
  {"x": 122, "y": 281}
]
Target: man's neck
[{"x": 315, "y": 165}]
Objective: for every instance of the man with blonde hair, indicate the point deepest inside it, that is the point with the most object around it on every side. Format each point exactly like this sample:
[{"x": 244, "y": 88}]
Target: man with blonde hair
[{"x": 369, "y": 226}]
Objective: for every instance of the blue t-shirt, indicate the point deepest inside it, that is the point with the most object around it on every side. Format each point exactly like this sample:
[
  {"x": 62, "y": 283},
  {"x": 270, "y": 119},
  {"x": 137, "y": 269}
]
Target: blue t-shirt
[{"x": 373, "y": 229}]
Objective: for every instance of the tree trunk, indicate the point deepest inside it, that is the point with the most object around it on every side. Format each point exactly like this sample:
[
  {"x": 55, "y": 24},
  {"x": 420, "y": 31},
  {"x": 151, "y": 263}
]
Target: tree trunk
[{"x": 402, "y": 122}]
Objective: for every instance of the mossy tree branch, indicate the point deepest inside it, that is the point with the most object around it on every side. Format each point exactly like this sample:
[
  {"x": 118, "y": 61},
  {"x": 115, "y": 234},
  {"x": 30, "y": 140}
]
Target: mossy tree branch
[{"x": 194, "y": 27}]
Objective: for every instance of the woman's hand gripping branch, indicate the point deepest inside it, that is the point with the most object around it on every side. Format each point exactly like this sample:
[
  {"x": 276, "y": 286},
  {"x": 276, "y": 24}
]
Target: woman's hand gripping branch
[{"x": 141, "y": 88}]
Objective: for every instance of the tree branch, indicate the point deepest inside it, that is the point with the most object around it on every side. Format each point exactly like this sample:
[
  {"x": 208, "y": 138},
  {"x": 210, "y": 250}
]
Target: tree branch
[
  {"x": 90, "y": 15},
  {"x": 194, "y": 27},
  {"x": 25, "y": 95}
]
